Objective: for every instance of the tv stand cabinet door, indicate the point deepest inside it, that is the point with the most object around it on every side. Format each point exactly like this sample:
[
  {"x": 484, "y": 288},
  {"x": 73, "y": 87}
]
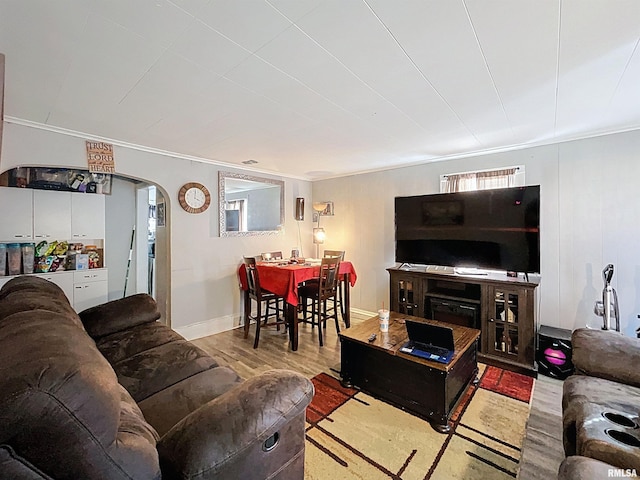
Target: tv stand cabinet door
[
  {"x": 508, "y": 326},
  {"x": 406, "y": 291}
]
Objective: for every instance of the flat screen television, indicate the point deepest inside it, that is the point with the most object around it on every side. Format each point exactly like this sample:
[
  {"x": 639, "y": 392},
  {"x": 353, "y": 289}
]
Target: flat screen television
[{"x": 487, "y": 229}]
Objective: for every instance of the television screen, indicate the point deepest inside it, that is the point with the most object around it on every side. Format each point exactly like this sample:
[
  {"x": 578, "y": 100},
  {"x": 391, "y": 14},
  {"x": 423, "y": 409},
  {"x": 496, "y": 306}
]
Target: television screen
[{"x": 492, "y": 229}]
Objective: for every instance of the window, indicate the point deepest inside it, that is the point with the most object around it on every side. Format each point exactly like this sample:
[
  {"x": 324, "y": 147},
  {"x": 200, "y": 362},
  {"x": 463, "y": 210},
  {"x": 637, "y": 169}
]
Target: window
[
  {"x": 236, "y": 212},
  {"x": 482, "y": 180}
]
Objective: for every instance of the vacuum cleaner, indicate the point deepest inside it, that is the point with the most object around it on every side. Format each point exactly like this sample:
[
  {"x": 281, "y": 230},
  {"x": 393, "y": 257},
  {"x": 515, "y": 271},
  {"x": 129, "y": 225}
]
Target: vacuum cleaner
[{"x": 608, "y": 306}]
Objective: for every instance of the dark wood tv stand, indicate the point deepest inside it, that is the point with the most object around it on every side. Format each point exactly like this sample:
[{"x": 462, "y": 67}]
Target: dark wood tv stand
[{"x": 501, "y": 307}]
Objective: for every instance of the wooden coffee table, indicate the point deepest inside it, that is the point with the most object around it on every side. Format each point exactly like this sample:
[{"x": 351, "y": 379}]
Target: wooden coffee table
[{"x": 429, "y": 389}]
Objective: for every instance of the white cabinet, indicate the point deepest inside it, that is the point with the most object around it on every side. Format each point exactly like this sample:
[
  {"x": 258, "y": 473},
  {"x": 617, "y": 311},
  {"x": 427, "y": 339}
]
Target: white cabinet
[
  {"x": 83, "y": 288},
  {"x": 16, "y": 214},
  {"x": 51, "y": 215},
  {"x": 87, "y": 217},
  {"x": 90, "y": 288},
  {"x": 30, "y": 215},
  {"x": 63, "y": 279}
]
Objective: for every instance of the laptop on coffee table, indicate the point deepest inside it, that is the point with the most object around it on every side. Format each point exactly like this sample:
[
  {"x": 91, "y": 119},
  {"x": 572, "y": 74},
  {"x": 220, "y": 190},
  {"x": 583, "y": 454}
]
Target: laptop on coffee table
[{"x": 431, "y": 342}]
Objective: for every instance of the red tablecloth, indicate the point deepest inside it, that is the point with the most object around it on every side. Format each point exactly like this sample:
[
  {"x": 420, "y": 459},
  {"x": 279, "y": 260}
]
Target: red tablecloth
[{"x": 284, "y": 279}]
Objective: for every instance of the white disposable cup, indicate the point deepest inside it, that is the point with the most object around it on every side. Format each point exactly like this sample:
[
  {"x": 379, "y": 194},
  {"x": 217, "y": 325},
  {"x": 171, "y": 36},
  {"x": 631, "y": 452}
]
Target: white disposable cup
[{"x": 383, "y": 315}]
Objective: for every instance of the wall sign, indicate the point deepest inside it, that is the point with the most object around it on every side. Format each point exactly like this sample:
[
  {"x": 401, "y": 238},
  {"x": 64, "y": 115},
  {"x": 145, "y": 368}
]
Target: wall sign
[{"x": 100, "y": 157}]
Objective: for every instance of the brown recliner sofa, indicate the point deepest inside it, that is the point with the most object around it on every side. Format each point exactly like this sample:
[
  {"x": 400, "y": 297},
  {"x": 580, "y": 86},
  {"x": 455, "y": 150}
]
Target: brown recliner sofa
[
  {"x": 114, "y": 394},
  {"x": 601, "y": 406}
]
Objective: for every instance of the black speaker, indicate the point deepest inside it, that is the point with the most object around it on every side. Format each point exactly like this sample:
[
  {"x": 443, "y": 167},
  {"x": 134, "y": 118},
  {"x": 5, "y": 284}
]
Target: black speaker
[
  {"x": 554, "y": 352},
  {"x": 299, "y": 208}
]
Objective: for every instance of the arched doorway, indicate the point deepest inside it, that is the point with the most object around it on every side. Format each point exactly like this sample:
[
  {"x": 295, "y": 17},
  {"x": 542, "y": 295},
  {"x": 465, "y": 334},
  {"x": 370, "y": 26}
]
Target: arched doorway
[{"x": 135, "y": 249}]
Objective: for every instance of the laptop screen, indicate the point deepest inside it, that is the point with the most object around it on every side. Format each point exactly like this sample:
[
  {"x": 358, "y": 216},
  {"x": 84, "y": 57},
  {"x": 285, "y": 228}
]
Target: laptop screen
[{"x": 430, "y": 334}]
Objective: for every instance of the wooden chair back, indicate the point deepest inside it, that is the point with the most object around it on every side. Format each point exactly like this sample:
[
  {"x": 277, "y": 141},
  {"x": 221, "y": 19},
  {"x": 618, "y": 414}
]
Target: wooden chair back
[
  {"x": 272, "y": 256},
  {"x": 253, "y": 278},
  {"x": 328, "y": 284},
  {"x": 334, "y": 253}
]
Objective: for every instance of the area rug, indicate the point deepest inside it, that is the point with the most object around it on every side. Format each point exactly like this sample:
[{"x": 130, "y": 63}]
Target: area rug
[{"x": 353, "y": 435}]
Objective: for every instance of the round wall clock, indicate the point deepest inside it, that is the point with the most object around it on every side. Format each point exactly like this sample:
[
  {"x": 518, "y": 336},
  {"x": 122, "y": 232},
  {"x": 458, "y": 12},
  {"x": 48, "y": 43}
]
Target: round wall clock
[{"x": 194, "y": 197}]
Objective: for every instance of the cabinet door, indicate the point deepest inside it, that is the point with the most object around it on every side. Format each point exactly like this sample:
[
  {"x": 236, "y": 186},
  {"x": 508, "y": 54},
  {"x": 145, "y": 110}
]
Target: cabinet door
[
  {"x": 16, "y": 210},
  {"x": 87, "y": 216},
  {"x": 51, "y": 215},
  {"x": 406, "y": 295},
  {"x": 90, "y": 288},
  {"x": 63, "y": 279},
  {"x": 507, "y": 326},
  {"x": 89, "y": 294}
]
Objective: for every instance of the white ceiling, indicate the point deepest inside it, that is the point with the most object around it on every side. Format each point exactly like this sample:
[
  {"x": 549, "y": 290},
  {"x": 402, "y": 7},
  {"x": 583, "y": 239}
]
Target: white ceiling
[{"x": 316, "y": 89}]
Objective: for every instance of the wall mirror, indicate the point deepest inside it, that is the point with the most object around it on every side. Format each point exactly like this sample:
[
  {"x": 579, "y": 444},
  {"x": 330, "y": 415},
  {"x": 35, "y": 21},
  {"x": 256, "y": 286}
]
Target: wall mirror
[{"x": 250, "y": 205}]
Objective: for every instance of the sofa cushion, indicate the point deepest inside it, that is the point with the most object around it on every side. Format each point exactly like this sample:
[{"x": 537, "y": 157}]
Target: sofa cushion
[
  {"x": 23, "y": 294},
  {"x": 582, "y": 388},
  {"x": 127, "y": 343},
  {"x": 583, "y": 468},
  {"x": 132, "y": 421},
  {"x": 13, "y": 466},
  {"x": 157, "y": 368},
  {"x": 598, "y": 353},
  {"x": 167, "y": 407},
  {"x": 118, "y": 315}
]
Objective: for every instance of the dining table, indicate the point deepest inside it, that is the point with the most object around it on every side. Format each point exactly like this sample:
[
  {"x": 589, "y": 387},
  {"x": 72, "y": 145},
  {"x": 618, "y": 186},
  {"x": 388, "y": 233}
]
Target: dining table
[{"x": 283, "y": 279}]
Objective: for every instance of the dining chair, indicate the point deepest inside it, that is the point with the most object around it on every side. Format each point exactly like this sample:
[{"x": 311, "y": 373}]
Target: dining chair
[
  {"x": 276, "y": 304},
  {"x": 319, "y": 293},
  {"x": 334, "y": 253},
  {"x": 272, "y": 256},
  {"x": 339, "y": 296},
  {"x": 256, "y": 293}
]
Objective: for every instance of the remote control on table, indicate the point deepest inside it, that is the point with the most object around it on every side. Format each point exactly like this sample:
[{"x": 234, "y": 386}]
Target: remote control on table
[{"x": 372, "y": 337}]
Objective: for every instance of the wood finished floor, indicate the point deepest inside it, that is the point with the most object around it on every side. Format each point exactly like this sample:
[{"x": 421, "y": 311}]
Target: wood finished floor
[{"x": 542, "y": 448}]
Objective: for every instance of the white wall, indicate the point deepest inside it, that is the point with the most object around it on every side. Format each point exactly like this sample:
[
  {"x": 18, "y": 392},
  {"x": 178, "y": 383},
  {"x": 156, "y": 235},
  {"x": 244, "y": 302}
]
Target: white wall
[
  {"x": 204, "y": 297},
  {"x": 120, "y": 217},
  {"x": 590, "y": 216}
]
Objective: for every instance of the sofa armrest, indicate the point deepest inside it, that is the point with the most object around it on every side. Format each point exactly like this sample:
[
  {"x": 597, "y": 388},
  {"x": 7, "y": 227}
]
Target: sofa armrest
[
  {"x": 118, "y": 315},
  {"x": 606, "y": 354},
  {"x": 579, "y": 468},
  {"x": 225, "y": 437}
]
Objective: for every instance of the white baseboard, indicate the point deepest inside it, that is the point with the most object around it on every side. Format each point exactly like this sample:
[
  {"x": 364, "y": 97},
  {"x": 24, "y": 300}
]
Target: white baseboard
[
  {"x": 364, "y": 313},
  {"x": 209, "y": 327},
  {"x": 229, "y": 322}
]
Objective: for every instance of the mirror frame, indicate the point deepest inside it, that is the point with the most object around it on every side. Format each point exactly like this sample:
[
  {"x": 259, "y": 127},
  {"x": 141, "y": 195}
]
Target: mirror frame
[{"x": 222, "y": 176}]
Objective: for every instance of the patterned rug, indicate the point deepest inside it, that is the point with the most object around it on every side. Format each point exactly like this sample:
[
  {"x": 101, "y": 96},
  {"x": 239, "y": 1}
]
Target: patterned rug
[{"x": 352, "y": 435}]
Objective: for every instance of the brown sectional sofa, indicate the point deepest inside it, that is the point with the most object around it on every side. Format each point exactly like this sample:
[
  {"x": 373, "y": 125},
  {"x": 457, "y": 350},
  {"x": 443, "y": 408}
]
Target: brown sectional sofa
[
  {"x": 112, "y": 393},
  {"x": 601, "y": 406}
]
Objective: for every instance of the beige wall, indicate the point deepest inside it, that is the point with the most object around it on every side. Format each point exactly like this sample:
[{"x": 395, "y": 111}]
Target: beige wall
[
  {"x": 590, "y": 216},
  {"x": 204, "y": 292}
]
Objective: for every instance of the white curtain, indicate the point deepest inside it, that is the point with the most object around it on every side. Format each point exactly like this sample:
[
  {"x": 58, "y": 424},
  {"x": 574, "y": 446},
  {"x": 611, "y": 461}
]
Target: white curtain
[{"x": 464, "y": 182}]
